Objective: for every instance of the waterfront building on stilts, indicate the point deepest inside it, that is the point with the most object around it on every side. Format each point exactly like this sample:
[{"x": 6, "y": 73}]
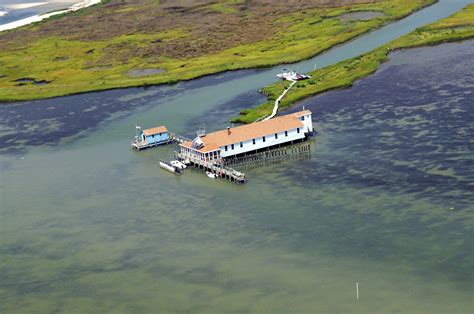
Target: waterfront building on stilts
[
  {"x": 225, "y": 145},
  {"x": 151, "y": 137}
]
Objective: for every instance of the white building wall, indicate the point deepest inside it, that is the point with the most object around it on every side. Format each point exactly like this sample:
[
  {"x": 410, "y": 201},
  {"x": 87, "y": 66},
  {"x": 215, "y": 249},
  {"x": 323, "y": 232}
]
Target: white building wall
[
  {"x": 308, "y": 123},
  {"x": 270, "y": 140}
]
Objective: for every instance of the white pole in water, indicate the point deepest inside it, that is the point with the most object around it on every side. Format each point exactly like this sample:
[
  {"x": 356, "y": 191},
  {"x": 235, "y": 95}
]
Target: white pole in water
[{"x": 357, "y": 290}]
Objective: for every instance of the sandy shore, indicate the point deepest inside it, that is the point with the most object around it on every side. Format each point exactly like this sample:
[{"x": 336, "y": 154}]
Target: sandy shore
[
  {"x": 39, "y": 17},
  {"x": 25, "y": 5}
]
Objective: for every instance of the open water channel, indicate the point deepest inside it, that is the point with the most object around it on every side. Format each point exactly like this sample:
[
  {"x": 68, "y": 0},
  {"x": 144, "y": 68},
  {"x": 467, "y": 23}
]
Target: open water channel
[{"x": 88, "y": 225}]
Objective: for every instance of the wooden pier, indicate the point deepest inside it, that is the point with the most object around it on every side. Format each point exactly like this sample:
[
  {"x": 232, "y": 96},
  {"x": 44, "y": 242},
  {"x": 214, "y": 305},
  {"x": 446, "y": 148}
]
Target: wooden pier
[
  {"x": 216, "y": 167},
  {"x": 271, "y": 155},
  {"x": 178, "y": 138},
  {"x": 144, "y": 145},
  {"x": 277, "y": 102},
  {"x": 173, "y": 138},
  {"x": 222, "y": 167},
  {"x": 217, "y": 163}
]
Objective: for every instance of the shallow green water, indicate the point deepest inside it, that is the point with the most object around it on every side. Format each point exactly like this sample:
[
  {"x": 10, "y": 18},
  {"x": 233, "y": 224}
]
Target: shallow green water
[
  {"x": 98, "y": 235},
  {"x": 88, "y": 225},
  {"x": 91, "y": 226}
]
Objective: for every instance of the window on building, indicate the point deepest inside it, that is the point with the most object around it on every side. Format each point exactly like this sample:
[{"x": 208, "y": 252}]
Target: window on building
[
  {"x": 253, "y": 141},
  {"x": 286, "y": 133},
  {"x": 232, "y": 146},
  {"x": 302, "y": 118},
  {"x": 298, "y": 130},
  {"x": 276, "y": 135},
  {"x": 263, "y": 138},
  {"x": 225, "y": 147},
  {"x": 241, "y": 144}
]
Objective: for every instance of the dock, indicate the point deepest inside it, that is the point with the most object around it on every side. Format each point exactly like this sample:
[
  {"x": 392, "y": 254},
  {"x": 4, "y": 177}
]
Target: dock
[
  {"x": 139, "y": 145},
  {"x": 297, "y": 150},
  {"x": 221, "y": 170},
  {"x": 277, "y": 102},
  {"x": 268, "y": 140},
  {"x": 172, "y": 138},
  {"x": 178, "y": 138}
]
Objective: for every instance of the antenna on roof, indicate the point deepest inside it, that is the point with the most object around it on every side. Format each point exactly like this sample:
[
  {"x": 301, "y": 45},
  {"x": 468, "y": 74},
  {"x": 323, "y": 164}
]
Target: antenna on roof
[
  {"x": 202, "y": 131},
  {"x": 137, "y": 127}
]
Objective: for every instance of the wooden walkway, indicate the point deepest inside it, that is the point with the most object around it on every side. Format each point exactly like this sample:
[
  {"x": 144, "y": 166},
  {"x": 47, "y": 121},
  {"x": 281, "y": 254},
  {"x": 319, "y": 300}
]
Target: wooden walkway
[
  {"x": 144, "y": 145},
  {"x": 277, "y": 102},
  {"x": 214, "y": 167},
  {"x": 173, "y": 138},
  {"x": 178, "y": 138},
  {"x": 223, "y": 168}
]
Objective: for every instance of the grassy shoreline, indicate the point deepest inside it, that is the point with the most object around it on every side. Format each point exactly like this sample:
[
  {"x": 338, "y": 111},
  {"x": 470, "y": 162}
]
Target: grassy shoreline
[
  {"x": 69, "y": 69},
  {"x": 457, "y": 27}
]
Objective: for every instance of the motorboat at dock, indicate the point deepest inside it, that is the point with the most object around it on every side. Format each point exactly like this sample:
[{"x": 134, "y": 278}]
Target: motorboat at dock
[
  {"x": 211, "y": 175},
  {"x": 178, "y": 164},
  {"x": 167, "y": 166}
]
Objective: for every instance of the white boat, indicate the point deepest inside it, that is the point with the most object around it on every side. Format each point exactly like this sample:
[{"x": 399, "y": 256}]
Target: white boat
[
  {"x": 291, "y": 75},
  {"x": 211, "y": 175},
  {"x": 178, "y": 164},
  {"x": 169, "y": 167},
  {"x": 237, "y": 173}
]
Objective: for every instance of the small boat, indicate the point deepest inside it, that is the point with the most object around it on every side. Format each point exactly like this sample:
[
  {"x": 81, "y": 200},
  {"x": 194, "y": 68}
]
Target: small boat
[
  {"x": 169, "y": 167},
  {"x": 211, "y": 175},
  {"x": 178, "y": 164},
  {"x": 299, "y": 76},
  {"x": 286, "y": 74},
  {"x": 291, "y": 75}
]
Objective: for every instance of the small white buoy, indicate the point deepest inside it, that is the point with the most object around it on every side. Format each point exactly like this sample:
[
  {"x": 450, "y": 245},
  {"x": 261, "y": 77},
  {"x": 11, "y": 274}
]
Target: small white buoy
[
  {"x": 357, "y": 290},
  {"x": 22, "y": 158},
  {"x": 451, "y": 208}
]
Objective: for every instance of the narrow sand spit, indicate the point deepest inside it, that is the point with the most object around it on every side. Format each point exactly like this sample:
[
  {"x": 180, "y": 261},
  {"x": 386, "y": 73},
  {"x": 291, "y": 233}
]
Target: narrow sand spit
[
  {"x": 25, "y": 5},
  {"x": 39, "y": 17}
]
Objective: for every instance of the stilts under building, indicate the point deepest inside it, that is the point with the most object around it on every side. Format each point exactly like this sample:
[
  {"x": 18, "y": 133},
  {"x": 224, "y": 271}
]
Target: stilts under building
[
  {"x": 225, "y": 145},
  {"x": 151, "y": 137}
]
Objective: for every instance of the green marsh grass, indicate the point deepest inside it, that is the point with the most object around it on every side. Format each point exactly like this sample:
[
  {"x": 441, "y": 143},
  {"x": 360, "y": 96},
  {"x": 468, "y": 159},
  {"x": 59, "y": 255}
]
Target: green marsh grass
[
  {"x": 298, "y": 36},
  {"x": 459, "y": 26}
]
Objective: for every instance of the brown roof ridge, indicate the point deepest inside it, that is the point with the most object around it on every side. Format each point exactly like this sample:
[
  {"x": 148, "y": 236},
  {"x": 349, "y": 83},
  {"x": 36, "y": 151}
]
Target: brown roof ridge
[
  {"x": 247, "y": 132},
  {"x": 155, "y": 130}
]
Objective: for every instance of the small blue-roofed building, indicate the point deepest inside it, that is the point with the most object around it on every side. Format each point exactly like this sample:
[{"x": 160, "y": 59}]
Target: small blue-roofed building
[{"x": 151, "y": 137}]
